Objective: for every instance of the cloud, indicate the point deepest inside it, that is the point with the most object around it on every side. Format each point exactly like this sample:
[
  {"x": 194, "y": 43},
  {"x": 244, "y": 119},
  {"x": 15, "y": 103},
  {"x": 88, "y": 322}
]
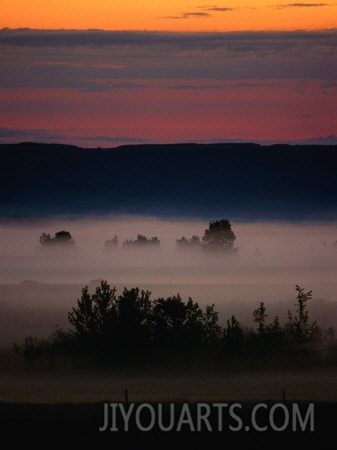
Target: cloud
[
  {"x": 9, "y": 133},
  {"x": 252, "y": 84},
  {"x": 127, "y": 86},
  {"x": 187, "y": 15},
  {"x": 97, "y": 61},
  {"x": 104, "y": 86},
  {"x": 93, "y": 86},
  {"x": 329, "y": 88},
  {"x": 320, "y": 140},
  {"x": 65, "y": 40},
  {"x": 329, "y": 84},
  {"x": 216, "y": 8},
  {"x": 194, "y": 87},
  {"x": 114, "y": 139},
  {"x": 220, "y": 86},
  {"x": 40, "y": 135},
  {"x": 300, "y": 5},
  {"x": 14, "y": 135}
]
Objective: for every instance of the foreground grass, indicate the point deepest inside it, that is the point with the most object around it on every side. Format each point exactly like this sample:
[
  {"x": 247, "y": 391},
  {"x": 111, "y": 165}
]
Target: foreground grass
[
  {"x": 299, "y": 374},
  {"x": 58, "y": 402}
]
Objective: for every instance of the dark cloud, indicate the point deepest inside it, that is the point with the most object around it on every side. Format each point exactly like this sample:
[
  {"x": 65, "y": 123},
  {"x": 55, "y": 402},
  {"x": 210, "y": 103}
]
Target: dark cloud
[
  {"x": 216, "y": 9},
  {"x": 251, "y": 84},
  {"x": 94, "y": 86},
  {"x": 17, "y": 135},
  {"x": 195, "y": 87},
  {"x": 300, "y": 5},
  {"x": 9, "y": 133},
  {"x": 320, "y": 140},
  {"x": 187, "y": 15},
  {"x": 250, "y": 40},
  {"x": 196, "y": 14},
  {"x": 97, "y": 61},
  {"x": 127, "y": 86},
  {"x": 218, "y": 86},
  {"x": 39, "y": 135},
  {"x": 329, "y": 84},
  {"x": 114, "y": 139}
]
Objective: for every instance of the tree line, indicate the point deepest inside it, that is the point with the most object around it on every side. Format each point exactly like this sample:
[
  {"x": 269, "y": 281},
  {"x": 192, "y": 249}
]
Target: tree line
[
  {"x": 132, "y": 324},
  {"x": 219, "y": 236}
]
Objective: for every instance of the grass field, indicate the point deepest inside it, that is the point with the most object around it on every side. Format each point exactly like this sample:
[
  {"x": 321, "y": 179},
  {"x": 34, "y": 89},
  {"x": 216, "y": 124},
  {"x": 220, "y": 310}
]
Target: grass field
[{"x": 162, "y": 386}]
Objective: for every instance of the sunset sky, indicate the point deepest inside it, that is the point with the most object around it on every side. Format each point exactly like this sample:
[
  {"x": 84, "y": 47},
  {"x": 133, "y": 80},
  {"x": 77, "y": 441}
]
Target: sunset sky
[{"x": 103, "y": 73}]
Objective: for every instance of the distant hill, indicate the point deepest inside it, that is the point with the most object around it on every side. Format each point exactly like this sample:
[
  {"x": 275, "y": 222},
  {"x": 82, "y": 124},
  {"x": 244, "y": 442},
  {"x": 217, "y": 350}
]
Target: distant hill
[{"x": 238, "y": 181}]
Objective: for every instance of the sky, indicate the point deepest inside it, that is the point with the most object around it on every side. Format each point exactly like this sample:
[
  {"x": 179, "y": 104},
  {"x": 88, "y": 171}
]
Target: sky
[{"x": 102, "y": 74}]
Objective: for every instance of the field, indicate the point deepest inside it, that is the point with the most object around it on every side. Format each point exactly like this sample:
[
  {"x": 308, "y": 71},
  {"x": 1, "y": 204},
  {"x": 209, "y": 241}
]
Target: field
[{"x": 64, "y": 408}]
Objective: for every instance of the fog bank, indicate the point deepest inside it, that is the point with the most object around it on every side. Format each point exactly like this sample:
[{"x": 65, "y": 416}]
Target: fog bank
[{"x": 271, "y": 259}]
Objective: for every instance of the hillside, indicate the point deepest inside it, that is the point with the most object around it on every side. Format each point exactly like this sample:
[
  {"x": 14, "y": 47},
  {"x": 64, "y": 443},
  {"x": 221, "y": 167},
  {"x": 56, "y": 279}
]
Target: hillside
[{"x": 241, "y": 181}]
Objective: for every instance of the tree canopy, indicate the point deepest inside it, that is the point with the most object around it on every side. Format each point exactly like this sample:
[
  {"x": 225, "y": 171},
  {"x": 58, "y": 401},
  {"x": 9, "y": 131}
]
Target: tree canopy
[
  {"x": 219, "y": 236},
  {"x": 60, "y": 239},
  {"x": 141, "y": 242},
  {"x": 132, "y": 320},
  {"x": 131, "y": 326}
]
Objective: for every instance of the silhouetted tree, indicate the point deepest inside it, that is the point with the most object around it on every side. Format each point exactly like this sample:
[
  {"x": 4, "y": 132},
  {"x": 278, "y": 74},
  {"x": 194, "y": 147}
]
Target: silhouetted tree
[
  {"x": 260, "y": 317},
  {"x": 233, "y": 333},
  {"x": 210, "y": 324},
  {"x": 132, "y": 324},
  {"x": 219, "y": 236},
  {"x": 268, "y": 334},
  {"x": 61, "y": 238},
  {"x": 45, "y": 239},
  {"x": 169, "y": 316},
  {"x": 141, "y": 242},
  {"x": 134, "y": 313},
  {"x": 94, "y": 318},
  {"x": 111, "y": 243},
  {"x": 299, "y": 327},
  {"x": 103, "y": 320},
  {"x": 179, "y": 323},
  {"x": 275, "y": 332},
  {"x": 192, "y": 243}
]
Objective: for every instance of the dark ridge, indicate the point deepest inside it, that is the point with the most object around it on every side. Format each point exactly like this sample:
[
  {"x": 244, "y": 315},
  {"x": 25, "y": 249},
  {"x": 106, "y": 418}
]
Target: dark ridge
[{"x": 240, "y": 180}]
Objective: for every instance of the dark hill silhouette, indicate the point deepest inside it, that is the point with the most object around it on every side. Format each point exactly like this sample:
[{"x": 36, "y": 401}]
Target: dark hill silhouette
[{"x": 240, "y": 181}]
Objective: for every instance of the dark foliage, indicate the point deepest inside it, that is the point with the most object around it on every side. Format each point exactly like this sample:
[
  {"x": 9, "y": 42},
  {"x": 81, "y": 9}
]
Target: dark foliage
[
  {"x": 60, "y": 239},
  {"x": 111, "y": 243},
  {"x": 219, "y": 236},
  {"x": 233, "y": 333},
  {"x": 131, "y": 326},
  {"x": 299, "y": 327},
  {"x": 132, "y": 321},
  {"x": 192, "y": 243},
  {"x": 141, "y": 242}
]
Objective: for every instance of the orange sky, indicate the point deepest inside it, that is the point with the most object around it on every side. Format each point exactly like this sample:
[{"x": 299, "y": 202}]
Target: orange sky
[
  {"x": 89, "y": 88},
  {"x": 182, "y": 15}
]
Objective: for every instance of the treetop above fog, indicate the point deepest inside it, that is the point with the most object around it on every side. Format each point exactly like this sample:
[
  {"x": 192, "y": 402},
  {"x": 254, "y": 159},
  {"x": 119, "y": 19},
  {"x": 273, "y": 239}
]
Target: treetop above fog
[
  {"x": 61, "y": 238},
  {"x": 218, "y": 237}
]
